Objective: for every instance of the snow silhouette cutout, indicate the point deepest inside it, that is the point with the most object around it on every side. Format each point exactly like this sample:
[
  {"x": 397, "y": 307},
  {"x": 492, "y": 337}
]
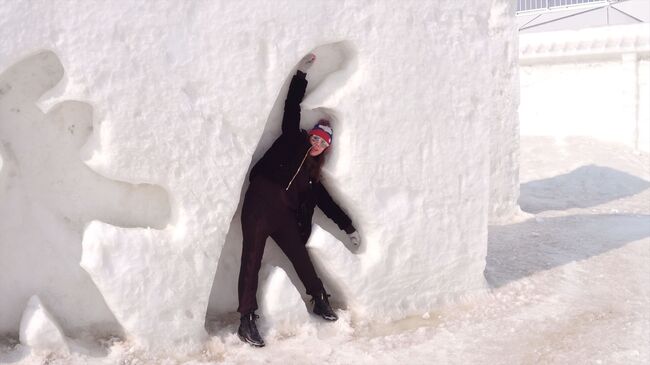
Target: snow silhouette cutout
[
  {"x": 336, "y": 64},
  {"x": 48, "y": 195}
]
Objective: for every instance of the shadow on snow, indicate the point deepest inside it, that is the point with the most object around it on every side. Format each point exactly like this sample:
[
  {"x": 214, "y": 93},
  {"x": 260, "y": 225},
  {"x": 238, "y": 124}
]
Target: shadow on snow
[
  {"x": 522, "y": 249},
  {"x": 584, "y": 187}
]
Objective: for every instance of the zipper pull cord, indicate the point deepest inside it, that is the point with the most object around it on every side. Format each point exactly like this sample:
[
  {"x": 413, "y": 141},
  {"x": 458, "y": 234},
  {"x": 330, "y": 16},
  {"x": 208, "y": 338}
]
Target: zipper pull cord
[{"x": 299, "y": 167}]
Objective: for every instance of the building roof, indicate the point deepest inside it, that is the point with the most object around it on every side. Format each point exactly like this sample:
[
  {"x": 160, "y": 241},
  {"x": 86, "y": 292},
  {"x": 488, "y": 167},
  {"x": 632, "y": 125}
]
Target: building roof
[
  {"x": 599, "y": 42},
  {"x": 583, "y": 15}
]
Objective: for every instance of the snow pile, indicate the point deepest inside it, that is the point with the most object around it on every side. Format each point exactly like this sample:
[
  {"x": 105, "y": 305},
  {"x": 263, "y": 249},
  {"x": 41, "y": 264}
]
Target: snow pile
[
  {"x": 39, "y": 330},
  {"x": 183, "y": 97}
]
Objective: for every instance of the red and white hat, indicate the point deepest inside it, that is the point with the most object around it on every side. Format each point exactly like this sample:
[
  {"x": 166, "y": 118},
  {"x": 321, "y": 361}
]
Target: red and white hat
[{"x": 323, "y": 131}]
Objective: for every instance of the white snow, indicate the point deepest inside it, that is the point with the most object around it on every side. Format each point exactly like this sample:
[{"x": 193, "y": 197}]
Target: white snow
[
  {"x": 125, "y": 268},
  {"x": 282, "y": 308},
  {"x": 39, "y": 331},
  {"x": 182, "y": 97},
  {"x": 127, "y": 130},
  {"x": 503, "y": 116},
  {"x": 47, "y": 195}
]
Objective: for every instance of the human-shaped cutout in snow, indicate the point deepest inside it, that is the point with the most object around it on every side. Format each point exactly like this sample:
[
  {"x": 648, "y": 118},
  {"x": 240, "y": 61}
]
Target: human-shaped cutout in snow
[
  {"x": 48, "y": 194},
  {"x": 284, "y": 189}
]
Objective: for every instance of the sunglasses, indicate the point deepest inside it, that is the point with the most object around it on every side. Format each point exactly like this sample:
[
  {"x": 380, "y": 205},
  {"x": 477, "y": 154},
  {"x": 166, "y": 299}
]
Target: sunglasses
[{"x": 319, "y": 141}]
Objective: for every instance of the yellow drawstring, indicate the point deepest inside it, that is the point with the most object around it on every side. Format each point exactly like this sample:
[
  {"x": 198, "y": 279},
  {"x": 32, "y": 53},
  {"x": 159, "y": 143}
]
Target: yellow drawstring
[{"x": 299, "y": 167}]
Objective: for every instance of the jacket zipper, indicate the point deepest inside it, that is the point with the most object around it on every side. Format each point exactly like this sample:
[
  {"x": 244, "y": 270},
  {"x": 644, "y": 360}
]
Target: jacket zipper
[{"x": 299, "y": 167}]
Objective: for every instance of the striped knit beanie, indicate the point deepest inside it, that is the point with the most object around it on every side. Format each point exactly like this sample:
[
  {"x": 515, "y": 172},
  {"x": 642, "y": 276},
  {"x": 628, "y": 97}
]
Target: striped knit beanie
[{"x": 323, "y": 131}]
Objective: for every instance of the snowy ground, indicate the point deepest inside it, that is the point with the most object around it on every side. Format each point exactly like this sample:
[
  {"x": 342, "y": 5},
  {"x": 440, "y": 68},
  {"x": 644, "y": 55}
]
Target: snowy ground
[{"x": 569, "y": 285}]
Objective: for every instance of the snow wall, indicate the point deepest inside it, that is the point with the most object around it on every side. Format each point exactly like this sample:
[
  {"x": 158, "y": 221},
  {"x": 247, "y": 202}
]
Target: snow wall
[
  {"x": 592, "y": 82},
  {"x": 127, "y": 130}
]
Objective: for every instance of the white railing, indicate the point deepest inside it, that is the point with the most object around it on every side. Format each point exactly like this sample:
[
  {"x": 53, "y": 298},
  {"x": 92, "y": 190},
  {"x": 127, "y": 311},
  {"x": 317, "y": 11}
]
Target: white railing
[{"x": 538, "y": 6}]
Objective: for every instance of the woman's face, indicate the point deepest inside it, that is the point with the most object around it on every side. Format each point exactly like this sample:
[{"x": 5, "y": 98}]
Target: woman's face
[{"x": 318, "y": 145}]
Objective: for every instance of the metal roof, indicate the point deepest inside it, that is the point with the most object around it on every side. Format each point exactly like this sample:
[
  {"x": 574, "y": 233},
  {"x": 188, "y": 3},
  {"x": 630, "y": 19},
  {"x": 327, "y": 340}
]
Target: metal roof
[{"x": 554, "y": 15}]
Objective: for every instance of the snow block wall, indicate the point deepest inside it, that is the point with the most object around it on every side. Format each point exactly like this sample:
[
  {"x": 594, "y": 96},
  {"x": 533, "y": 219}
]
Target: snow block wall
[
  {"x": 127, "y": 131},
  {"x": 48, "y": 195},
  {"x": 502, "y": 114}
]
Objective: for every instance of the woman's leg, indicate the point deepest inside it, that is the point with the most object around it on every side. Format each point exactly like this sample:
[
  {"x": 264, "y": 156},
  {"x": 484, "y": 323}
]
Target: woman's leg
[
  {"x": 288, "y": 238},
  {"x": 254, "y": 239}
]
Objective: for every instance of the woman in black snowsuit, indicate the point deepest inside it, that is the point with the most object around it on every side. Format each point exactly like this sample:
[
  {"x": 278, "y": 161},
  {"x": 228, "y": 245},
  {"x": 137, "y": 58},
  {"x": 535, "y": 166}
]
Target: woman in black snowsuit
[{"x": 284, "y": 190}]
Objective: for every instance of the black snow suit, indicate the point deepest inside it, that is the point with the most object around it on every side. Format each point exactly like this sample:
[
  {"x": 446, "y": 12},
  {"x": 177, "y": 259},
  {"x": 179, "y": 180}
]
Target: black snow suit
[{"x": 280, "y": 202}]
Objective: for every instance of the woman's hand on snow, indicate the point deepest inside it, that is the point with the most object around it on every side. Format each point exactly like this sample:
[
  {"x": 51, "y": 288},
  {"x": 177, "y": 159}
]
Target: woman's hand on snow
[
  {"x": 355, "y": 239},
  {"x": 306, "y": 62}
]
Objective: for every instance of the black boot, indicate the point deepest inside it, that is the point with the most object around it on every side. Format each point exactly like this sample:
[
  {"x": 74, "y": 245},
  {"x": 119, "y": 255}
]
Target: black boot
[
  {"x": 248, "y": 330},
  {"x": 322, "y": 307}
]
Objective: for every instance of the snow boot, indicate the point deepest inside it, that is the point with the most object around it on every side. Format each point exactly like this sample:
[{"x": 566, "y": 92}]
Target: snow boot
[
  {"x": 248, "y": 330},
  {"x": 322, "y": 307}
]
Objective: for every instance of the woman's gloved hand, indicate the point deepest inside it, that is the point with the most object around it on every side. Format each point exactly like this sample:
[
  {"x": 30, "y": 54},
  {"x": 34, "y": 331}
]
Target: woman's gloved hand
[
  {"x": 355, "y": 239},
  {"x": 306, "y": 62}
]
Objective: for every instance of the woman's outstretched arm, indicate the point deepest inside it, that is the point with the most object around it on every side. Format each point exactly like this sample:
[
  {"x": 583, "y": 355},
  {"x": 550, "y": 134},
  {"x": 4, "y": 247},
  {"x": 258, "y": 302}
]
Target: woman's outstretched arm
[
  {"x": 291, "y": 116},
  {"x": 331, "y": 209}
]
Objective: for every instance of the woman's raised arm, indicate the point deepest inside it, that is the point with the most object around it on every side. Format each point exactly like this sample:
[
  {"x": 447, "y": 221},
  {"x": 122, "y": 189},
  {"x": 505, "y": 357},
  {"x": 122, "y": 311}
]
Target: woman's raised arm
[{"x": 291, "y": 116}]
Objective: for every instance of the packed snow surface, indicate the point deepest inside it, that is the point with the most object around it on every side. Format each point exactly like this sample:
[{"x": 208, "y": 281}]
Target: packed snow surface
[{"x": 568, "y": 286}]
